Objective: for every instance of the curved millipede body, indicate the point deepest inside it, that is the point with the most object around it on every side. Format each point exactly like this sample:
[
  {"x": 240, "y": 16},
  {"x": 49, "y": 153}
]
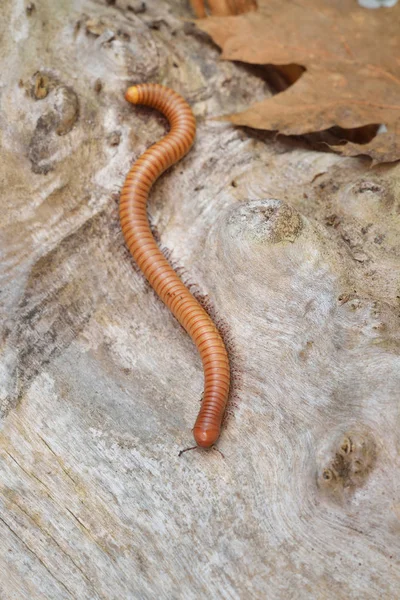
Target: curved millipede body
[{"x": 155, "y": 267}]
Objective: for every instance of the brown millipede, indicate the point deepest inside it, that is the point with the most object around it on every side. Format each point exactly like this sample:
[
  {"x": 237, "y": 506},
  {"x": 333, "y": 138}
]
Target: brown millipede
[{"x": 154, "y": 265}]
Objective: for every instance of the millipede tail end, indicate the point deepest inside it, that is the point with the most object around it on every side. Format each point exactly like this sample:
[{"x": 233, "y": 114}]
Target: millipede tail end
[{"x": 132, "y": 94}]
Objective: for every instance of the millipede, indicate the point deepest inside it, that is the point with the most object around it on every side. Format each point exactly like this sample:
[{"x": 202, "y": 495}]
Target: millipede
[{"x": 154, "y": 265}]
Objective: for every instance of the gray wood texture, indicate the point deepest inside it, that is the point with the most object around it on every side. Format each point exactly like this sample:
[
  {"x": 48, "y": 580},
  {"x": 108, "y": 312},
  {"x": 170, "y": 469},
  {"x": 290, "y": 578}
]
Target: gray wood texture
[{"x": 296, "y": 252}]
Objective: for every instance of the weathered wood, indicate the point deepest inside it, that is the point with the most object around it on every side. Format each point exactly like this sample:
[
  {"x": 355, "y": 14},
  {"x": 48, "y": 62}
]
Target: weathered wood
[{"x": 99, "y": 384}]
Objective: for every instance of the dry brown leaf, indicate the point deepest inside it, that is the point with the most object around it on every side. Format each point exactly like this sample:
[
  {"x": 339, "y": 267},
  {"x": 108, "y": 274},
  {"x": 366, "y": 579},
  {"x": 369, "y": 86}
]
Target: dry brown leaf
[
  {"x": 222, "y": 8},
  {"x": 352, "y": 61},
  {"x": 199, "y": 8}
]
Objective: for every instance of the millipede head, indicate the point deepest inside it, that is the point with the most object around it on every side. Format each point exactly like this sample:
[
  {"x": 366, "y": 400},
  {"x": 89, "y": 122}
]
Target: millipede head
[{"x": 205, "y": 437}]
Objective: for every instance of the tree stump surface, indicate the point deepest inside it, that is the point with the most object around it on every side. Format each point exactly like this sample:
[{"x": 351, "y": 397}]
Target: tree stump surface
[{"x": 295, "y": 253}]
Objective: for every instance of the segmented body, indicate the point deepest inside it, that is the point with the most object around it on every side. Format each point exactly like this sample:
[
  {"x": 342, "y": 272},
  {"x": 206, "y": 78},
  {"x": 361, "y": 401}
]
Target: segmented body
[{"x": 155, "y": 267}]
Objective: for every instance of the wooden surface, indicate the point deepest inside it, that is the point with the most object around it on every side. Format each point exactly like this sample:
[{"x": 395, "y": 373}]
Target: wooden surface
[{"x": 297, "y": 254}]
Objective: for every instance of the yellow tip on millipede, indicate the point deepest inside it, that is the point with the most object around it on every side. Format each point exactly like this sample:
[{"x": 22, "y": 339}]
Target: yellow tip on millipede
[{"x": 132, "y": 94}]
